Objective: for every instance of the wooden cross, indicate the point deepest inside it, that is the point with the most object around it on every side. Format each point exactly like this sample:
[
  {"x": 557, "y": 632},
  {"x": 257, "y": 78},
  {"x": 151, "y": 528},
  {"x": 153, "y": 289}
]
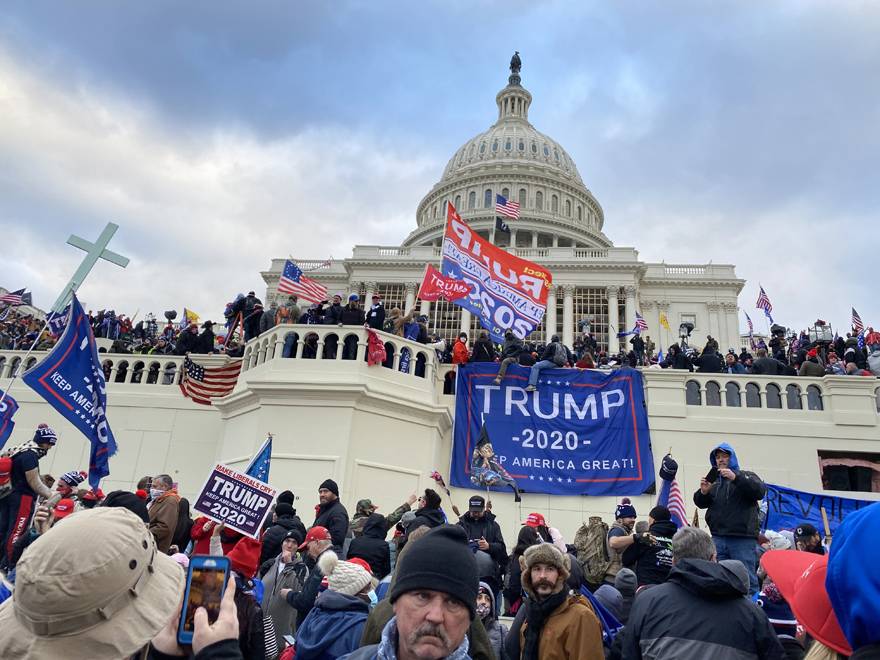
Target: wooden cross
[{"x": 94, "y": 251}]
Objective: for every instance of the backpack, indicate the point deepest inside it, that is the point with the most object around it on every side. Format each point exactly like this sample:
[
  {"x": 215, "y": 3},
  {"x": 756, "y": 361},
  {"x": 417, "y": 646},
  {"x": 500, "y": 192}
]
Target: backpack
[
  {"x": 592, "y": 551},
  {"x": 559, "y": 354},
  {"x": 388, "y": 326}
]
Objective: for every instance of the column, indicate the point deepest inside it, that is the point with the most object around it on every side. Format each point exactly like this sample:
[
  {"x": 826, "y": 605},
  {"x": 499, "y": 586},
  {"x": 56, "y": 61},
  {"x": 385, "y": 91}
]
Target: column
[
  {"x": 534, "y": 239},
  {"x": 465, "y": 322},
  {"x": 410, "y": 297},
  {"x": 369, "y": 290},
  {"x": 648, "y": 311},
  {"x": 550, "y": 316},
  {"x": 568, "y": 315},
  {"x": 555, "y": 240},
  {"x": 731, "y": 320},
  {"x": 512, "y": 238},
  {"x": 630, "y": 307},
  {"x": 713, "y": 330},
  {"x": 425, "y": 308},
  {"x": 492, "y": 235},
  {"x": 613, "y": 322}
]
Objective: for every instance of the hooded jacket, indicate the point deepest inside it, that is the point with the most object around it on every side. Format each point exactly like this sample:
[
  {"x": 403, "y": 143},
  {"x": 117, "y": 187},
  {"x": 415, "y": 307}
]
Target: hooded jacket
[
  {"x": 292, "y": 575},
  {"x": 652, "y": 563},
  {"x": 372, "y": 547},
  {"x": 334, "y": 517},
  {"x": 333, "y": 628},
  {"x": 274, "y": 536},
  {"x": 496, "y": 630},
  {"x": 732, "y": 505},
  {"x": 487, "y": 528},
  {"x": 700, "y": 612},
  {"x": 425, "y": 516},
  {"x": 164, "y": 512}
]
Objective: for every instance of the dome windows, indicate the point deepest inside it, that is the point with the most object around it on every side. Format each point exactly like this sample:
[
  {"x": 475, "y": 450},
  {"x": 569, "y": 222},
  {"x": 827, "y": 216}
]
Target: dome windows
[
  {"x": 556, "y": 154},
  {"x": 539, "y": 200},
  {"x": 472, "y": 200},
  {"x": 546, "y": 150},
  {"x": 508, "y": 145},
  {"x": 580, "y": 213},
  {"x": 457, "y": 202},
  {"x": 534, "y": 148},
  {"x": 495, "y": 145},
  {"x": 522, "y": 198},
  {"x": 505, "y": 193},
  {"x": 554, "y": 204},
  {"x": 482, "y": 147},
  {"x": 522, "y": 145},
  {"x": 567, "y": 208},
  {"x": 487, "y": 199}
]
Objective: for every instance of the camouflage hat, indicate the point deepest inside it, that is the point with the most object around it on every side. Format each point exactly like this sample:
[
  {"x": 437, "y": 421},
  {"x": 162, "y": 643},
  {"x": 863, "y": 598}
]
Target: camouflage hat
[{"x": 365, "y": 506}]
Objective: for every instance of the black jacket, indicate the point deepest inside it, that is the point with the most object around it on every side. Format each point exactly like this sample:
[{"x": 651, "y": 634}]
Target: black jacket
[
  {"x": 304, "y": 600},
  {"x": 484, "y": 351},
  {"x": 225, "y": 649},
  {"x": 488, "y": 529},
  {"x": 512, "y": 348},
  {"x": 678, "y": 360},
  {"x": 652, "y": 563},
  {"x": 767, "y": 366},
  {"x": 274, "y": 536},
  {"x": 352, "y": 315},
  {"x": 334, "y": 517},
  {"x": 205, "y": 344},
  {"x": 733, "y": 505},
  {"x": 333, "y": 315},
  {"x": 187, "y": 342},
  {"x": 429, "y": 517},
  {"x": 376, "y": 317},
  {"x": 372, "y": 547},
  {"x": 700, "y": 611},
  {"x": 709, "y": 363}
]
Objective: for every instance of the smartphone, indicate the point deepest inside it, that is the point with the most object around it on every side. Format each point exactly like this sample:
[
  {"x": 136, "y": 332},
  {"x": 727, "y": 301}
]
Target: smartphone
[
  {"x": 712, "y": 477},
  {"x": 205, "y": 584}
]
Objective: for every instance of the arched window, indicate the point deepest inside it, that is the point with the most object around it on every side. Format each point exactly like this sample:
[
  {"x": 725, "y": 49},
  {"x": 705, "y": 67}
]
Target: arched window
[
  {"x": 539, "y": 200},
  {"x": 731, "y": 391},
  {"x": 121, "y": 372},
  {"x": 554, "y": 204},
  {"x": 505, "y": 193},
  {"x": 434, "y": 212},
  {"x": 692, "y": 395},
  {"x": 494, "y": 145},
  {"x": 457, "y": 202},
  {"x": 814, "y": 398},
  {"x": 508, "y": 144},
  {"x": 534, "y": 148},
  {"x": 580, "y": 213},
  {"x": 482, "y": 147},
  {"x": 522, "y": 145},
  {"x": 774, "y": 396},
  {"x": 488, "y": 202},
  {"x": 713, "y": 393},
  {"x": 753, "y": 395},
  {"x": 793, "y": 397},
  {"x": 522, "y": 198},
  {"x": 567, "y": 208},
  {"x": 546, "y": 150},
  {"x": 472, "y": 200},
  {"x": 556, "y": 153}
]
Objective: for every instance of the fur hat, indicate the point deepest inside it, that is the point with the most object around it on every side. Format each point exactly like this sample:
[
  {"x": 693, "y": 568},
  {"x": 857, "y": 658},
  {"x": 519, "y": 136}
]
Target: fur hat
[
  {"x": 544, "y": 553},
  {"x": 343, "y": 576}
]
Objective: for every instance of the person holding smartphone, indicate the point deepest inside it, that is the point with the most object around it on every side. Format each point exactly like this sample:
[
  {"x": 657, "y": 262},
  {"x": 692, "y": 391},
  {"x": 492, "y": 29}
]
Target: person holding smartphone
[{"x": 731, "y": 496}]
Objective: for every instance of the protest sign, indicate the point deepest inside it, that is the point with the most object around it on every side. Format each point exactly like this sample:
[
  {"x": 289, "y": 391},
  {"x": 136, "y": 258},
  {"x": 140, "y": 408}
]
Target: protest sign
[
  {"x": 436, "y": 286},
  {"x": 238, "y": 501},
  {"x": 582, "y": 432},
  {"x": 787, "y": 508}
]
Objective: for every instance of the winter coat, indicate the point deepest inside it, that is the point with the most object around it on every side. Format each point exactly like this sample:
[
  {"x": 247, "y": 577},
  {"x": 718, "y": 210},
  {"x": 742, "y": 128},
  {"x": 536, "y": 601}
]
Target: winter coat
[
  {"x": 187, "y": 342},
  {"x": 372, "y": 547},
  {"x": 164, "y": 512},
  {"x": 356, "y": 526},
  {"x": 732, "y": 505},
  {"x": 874, "y": 362},
  {"x": 333, "y": 627},
  {"x": 700, "y": 612},
  {"x": 735, "y": 368},
  {"x": 304, "y": 600},
  {"x": 571, "y": 631},
  {"x": 376, "y": 317},
  {"x": 513, "y": 582},
  {"x": 496, "y": 630},
  {"x": 386, "y": 648},
  {"x": 429, "y": 517},
  {"x": 334, "y": 517},
  {"x": 352, "y": 315},
  {"x": 487, "y": 528},
  {"x": 267, "y": 320},
  {"x": 226, "y": 649},
  {"x": 205, "y": 345},
  {"x": 254, "y": 639},
  {"x": 652, "y": 563},
  {"x": 459, "y": 352},
  {"x": 811, "y": 368},
  {"x": 202, "y": 538},
  {"x": 333, "y": 314},
  {"x": 678, "y": 360},
  {"x": 767, "y": 366},
  {"x": 484, "y": 351},
  {"x": 710, "y": 363},
  {"x": 273, "y": 537},
  {"x": 293, "y": 575},
  {"x": 183, "y": 529},
  {"x": 512, "y": 348}
]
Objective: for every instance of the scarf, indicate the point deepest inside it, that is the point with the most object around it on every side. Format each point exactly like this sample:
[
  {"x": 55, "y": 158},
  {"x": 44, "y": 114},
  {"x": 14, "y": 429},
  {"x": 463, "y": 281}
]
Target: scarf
[
  {"x": 539, "y": 612},
  {"x": 30, "y": 444}
]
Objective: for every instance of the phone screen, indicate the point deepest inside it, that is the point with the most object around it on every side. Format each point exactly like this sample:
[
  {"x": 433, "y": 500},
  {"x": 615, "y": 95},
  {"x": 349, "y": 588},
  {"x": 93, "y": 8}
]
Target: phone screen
[
  {"x": 206, "y": 580},
  {"x": 712, "y": 477}
]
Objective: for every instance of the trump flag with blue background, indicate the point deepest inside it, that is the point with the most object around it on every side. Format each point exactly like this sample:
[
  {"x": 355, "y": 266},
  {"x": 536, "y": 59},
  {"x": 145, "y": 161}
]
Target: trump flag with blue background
[
  {"x": 581, "y": 433},
  {"x": 8, "y": 408},
  {"x": 71, "y": 380}
]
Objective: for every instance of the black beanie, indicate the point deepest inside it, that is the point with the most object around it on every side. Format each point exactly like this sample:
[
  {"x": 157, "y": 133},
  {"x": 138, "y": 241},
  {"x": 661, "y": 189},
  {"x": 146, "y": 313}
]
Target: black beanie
[
  {"x": 432, "y": 499},
  {"x": 127, "y": 500},
  {"x": 456, "y": 575},
  {"x": 660, "y": 514},
  {"x": 286, "y": 496},
  {"x": 330, "y": 485},
  {"x": 284, "y": 509}
]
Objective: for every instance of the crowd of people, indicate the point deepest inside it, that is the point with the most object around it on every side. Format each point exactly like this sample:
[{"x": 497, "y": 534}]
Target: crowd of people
[{"x": 94, "y": 575}]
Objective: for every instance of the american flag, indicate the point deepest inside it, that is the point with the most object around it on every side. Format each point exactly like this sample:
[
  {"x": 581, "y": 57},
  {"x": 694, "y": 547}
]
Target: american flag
[
  {"x": 293, "y": 281},
  {"x": 204, "y": 384},
  {"x": 751, "y": 325},
  {"x": 506, "y": 208},
  {"x": 861, "y": 340},
  {"x": 764, "y": 303},
  {"x": 641, "y": 323},
  {"x": 670, "y": 492},
  {"x": 676, "y": 505},
  {"x": 13, "y": 297},
  {"x": 857, "y": 324}
]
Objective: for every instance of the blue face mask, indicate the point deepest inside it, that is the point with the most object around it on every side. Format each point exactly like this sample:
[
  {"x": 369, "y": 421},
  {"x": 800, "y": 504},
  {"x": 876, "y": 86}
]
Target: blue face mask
[{"x": 374, "y": 600}]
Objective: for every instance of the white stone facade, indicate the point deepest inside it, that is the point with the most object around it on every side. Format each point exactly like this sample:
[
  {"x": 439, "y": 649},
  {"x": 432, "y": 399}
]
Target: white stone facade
[{"x": 560, "y": 227}]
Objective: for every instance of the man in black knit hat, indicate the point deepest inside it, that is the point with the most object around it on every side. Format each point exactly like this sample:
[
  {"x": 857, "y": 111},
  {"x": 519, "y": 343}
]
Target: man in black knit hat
[
  {"x": 331, "y": 514},
  {"x": 434, "y": 602}
]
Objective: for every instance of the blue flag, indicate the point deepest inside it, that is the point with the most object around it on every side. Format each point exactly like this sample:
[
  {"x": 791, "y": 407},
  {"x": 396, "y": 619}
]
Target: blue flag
[
  {"x": 259, "y": 465},
  {"x": 71, "y": 380},
  {"x": 58, "y": 321},
  {"x": 7, "y": 409},
  {"x": 610, "y": 625}
]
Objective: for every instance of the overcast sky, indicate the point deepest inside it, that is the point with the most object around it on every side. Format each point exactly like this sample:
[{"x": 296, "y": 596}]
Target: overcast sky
[{"x": 220, "y": 135}]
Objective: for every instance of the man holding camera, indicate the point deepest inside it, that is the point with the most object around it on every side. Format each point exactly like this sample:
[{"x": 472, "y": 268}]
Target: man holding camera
[{"x": 731, "y": 496}]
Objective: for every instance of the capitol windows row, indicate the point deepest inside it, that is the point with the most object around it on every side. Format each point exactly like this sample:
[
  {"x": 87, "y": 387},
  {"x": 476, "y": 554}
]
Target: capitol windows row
[
  {"x": 489, "y": 202},
  {"x": 751, "y": 396}
]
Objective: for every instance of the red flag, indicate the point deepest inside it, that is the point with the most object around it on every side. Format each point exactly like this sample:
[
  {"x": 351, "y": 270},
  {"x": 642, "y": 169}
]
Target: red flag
[{"x": 436, "y": 285}]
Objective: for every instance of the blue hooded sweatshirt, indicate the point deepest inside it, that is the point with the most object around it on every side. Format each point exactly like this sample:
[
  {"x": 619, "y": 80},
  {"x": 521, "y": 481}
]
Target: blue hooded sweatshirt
[
  {"x": 732, "y": 504},
  {"x": 333, "y": 628}
]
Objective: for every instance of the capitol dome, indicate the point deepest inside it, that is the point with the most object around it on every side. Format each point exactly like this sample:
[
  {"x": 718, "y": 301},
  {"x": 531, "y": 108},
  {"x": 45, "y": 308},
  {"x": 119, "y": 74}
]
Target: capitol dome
[{"x": 513, "y": 159}]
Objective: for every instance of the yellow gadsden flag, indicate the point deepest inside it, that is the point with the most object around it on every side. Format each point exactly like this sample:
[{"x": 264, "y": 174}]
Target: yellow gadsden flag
[{"x": 664, "y": 321}]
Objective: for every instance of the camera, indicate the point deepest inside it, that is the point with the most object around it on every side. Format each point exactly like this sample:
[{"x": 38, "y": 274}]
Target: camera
[{"x": 171, "y": 314}]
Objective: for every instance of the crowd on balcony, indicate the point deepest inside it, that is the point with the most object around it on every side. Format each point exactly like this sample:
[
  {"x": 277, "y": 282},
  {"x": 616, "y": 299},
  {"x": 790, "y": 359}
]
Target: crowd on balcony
[{"x": 426, "y": 580}]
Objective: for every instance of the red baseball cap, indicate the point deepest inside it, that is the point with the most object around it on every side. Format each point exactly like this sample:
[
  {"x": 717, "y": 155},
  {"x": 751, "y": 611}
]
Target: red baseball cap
[
  {"x": 361, "y": 562},
  {"x": 94, "y": 495},
  {"x": 315, "y": 534},
  {"x": 535, "y": 520},
  {"x": 800, "y": 577},
  {"x": 64, "y": 508}
]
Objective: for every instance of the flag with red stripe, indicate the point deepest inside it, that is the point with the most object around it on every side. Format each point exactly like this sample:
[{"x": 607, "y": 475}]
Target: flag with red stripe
[
  {"x": 292, "y": 281},
  {"x": 857, "y": 324},
  {"x": 204, "y": 384}
]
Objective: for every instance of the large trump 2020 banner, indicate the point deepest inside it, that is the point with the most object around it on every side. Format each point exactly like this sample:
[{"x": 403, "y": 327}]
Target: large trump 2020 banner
[
  {"x": 581, "y": 433},
  {"x": 506, "y": 292}
]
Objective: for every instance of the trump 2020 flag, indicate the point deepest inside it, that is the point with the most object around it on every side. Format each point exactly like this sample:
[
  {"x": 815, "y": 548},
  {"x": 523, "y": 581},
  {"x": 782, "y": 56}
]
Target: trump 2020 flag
[
  {"x": 71, "y": 380},
  {"x": 8, "y": 408},
  {"x": 259, "y": 465}
]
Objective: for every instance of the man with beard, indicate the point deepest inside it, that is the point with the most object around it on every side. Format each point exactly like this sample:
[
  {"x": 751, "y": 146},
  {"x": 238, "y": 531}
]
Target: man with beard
[
  {"x": 331, "y": 515},
  {"x": 620, "y": 537},
  {"x": 434, "y": 601},
  {"x": 558, "y": 624},
  {"x": 650, "y": 556}
]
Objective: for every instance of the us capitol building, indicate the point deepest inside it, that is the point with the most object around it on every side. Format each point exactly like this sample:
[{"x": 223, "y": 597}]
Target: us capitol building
[{"x": 560, "y": 226}]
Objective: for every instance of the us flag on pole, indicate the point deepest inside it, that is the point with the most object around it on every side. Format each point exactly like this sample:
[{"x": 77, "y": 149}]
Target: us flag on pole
[
  {"x": 13, "y": 297},
  {"x": 751, "y": 325},
  {"x": 204, "y": 384},
  {"x": 641, "y": 323},
  {"x": 764, "y": 303},
  {"x": 670, "y": 492},
  {"x": 506, "y": 208},
  {"x": 857, "y": 324},
  {"x": 293, "y": 281}
]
